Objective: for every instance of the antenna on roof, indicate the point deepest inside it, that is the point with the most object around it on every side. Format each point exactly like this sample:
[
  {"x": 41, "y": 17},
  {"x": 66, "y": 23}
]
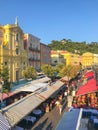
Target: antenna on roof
[{"x": 16, "y": 21}]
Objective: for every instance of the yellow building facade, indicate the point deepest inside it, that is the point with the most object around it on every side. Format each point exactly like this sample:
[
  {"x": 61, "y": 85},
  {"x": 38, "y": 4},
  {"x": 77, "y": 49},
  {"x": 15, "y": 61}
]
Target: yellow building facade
[
  {"x": 95, "y": 62},
  {"x": 75, "y": 59},
  {"x": 60, "y": 56},
  {"x": 12, "y": 53},
  {"x": 87, "y": 59}
]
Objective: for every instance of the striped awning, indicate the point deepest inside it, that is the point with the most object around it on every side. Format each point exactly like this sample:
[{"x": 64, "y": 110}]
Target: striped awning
[
  {"x": 18, "y": 110},
  {"x": 4, "y": 125}
]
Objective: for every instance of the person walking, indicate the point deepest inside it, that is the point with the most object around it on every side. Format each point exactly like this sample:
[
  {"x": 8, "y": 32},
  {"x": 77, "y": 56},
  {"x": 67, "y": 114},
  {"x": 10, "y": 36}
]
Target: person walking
[{"x": 60, "y": 108}]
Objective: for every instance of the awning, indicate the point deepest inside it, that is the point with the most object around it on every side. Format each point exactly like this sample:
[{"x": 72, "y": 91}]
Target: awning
[
  {"x": 43, "y": 80},
  {"x": 17, "y": 88},
  {"x": 89, "y": 74},
  {"x": 5, "y": 95},
  {"x": 51, "y": 89},
  {"x": 33, "y": 87},
  {"x": 69, "y": 120},
  {"x": 4, "y": 125},
  {"x": 66, "y": 78},
  {"x": 89, "y": 87},
  {"x": 17, "y": 111}
]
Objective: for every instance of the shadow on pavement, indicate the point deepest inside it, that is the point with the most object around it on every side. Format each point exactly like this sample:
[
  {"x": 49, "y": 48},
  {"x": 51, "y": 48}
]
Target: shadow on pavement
[
  {"x": 41, "y": 125},
  {"x": 49, "y": 127}
]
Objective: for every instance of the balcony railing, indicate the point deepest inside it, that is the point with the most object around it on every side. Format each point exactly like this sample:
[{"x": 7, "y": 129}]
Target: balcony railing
[
  {"x": 34, "y": 49},
  {"x": 33, "y": 59}
]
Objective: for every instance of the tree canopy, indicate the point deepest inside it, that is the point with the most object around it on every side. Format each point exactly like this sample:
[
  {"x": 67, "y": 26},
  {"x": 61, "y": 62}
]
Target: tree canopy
[
  {"x": 48, "y": 70},
  {"x": 30, "y": 72},
  {"x": 4, "y": 76},
  {"x": 70, "y": 71},
  {"x": 74, "y": 47}
]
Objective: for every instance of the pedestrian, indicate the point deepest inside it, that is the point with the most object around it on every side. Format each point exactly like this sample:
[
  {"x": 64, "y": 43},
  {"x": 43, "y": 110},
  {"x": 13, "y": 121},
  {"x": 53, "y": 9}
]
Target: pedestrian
[
  {"x": 57, "y": 103},
  {"x": 65, "y": 94},
  {"x": 60, "y": 108}
]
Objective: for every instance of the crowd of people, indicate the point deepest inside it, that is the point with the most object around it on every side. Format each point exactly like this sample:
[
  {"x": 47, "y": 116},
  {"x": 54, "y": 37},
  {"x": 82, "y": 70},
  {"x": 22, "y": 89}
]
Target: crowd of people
[{"x": 57, "y": 102}]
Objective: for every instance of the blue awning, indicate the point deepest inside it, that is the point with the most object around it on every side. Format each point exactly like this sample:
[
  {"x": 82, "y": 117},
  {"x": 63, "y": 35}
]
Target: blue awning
[
  {"x": 69, "y": 120},
  {"x": 4, "y": 125}
]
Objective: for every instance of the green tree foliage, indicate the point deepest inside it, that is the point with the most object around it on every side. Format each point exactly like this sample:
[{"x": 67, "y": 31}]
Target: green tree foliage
[
  {"x": 48, "y": 70},
  {"x": 30, "y": 72},
  {"x": 4, "y": 76},
  {"x": 59, "y": 67},
  {"x": 70, "y": 71},
  {"x": 71, "y": 46}
]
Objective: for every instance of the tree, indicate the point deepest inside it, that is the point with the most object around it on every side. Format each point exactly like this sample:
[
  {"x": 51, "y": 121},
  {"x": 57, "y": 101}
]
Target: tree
[
  {"x": 69, "y": 45},
  {"x": 4, "y": 76},
  {"x": 30, "y": 72},
  {"x": 69, "y": 71},
  {"x": 59, "y": 67},
  {"x": 48, "y": 70}
]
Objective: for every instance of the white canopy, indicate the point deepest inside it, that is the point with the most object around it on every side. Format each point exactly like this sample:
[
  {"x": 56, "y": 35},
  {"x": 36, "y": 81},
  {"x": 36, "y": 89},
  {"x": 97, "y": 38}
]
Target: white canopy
[{"x": 34, "y": 87}]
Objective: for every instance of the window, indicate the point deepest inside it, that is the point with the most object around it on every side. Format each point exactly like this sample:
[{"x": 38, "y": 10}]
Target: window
[
  {"x": 17, "y": 37},
  {"x": 31, "y": 45},
  {"x": 24, "y": 63},
  {"x": 17, "y": 51},
  {"x": 5, "y": 62},
  {"x": 17, "y": 75}
]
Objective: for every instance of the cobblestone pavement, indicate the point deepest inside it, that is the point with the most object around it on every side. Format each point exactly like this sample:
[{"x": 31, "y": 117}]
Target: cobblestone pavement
[{"x": 50, "y": 120}]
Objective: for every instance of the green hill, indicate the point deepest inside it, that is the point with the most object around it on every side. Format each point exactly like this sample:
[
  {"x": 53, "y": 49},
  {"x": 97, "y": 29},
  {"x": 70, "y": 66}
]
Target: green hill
[{"x": 74, "y": 47}]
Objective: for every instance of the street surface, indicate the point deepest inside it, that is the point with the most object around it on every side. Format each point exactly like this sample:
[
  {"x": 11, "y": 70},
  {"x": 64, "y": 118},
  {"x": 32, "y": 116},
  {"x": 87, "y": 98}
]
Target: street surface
[{"x": 50, "y": 120}]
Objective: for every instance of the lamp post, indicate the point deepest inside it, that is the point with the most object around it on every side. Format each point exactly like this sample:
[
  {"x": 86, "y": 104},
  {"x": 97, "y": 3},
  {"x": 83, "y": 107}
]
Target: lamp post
[{"x": 1, "y": 88}]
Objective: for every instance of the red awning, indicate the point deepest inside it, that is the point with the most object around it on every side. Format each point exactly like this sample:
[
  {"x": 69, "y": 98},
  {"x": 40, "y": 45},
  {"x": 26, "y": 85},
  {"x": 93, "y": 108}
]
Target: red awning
[
  {"x": 89, "y": 87},
  {"x": 89, "y": 74},
  {"x": 5, "y": 95}
]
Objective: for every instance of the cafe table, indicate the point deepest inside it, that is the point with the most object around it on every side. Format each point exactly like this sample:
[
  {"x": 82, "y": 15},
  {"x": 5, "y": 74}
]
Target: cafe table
[
  {"x": 17, "y": 128},
  {"x": 37, "y": 112},
  {"x": 30, "y": 118}
]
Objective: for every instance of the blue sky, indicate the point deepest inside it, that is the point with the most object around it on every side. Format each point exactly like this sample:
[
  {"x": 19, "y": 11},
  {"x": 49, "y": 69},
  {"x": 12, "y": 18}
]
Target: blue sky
[{"x": 53, "y": 19}]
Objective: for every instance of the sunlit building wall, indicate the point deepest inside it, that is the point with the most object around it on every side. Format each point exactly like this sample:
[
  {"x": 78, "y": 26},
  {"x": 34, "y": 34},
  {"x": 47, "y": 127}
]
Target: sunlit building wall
[
  {"x": 95, "y": 62},
  {"x": 87, "y": 59},
  {"x": 12, "y": 53},
  {"x": 45, "y": 54},
  {"x": 32, "y": 46},
  {"x": 67, "y": 56},
  {"x": 75, "y": 59},
  {"x": 60, "y": 56}
]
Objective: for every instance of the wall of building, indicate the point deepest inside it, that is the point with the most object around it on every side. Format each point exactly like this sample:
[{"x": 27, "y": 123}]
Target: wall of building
[
  {"x": 32, "y": 45},
  {"x": 45, "y": 54},
  {"x": 13, "y": 54}
]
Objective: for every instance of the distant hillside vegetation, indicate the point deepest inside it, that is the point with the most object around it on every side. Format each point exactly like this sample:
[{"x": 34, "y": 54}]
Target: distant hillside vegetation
[{"x": 74, "y": 47}]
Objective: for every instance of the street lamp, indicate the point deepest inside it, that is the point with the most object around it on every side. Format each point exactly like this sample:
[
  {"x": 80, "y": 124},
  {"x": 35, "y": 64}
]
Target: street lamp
[{"x": 1, "y": 88}]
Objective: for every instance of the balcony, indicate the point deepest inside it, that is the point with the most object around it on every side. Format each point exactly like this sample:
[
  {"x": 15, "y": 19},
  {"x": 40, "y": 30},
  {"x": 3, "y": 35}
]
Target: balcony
[
  {"x": 34, "y": 49},
  {"x": 31, "y": 58}
]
